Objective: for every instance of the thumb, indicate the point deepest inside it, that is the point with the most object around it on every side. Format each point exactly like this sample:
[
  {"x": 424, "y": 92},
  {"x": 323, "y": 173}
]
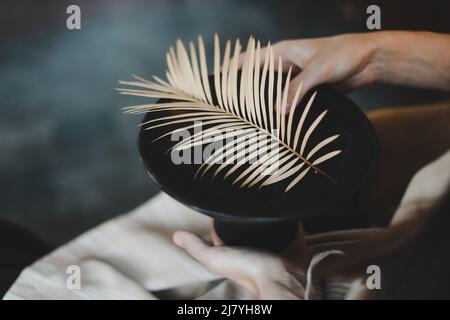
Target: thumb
[{"x": 195, "y": 246}]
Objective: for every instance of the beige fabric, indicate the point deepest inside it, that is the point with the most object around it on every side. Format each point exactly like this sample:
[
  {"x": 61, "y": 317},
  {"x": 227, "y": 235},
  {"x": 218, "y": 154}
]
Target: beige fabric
[
  {"x": 130, "y": 257},
  {"x": 133, "y": 257}
]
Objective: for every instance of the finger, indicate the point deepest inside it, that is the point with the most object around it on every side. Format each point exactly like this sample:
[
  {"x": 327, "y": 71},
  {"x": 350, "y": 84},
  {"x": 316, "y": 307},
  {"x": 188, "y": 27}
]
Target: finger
[
  {"x": 361, "y": 252},
  {"x": 355, "y": 256},
  {"x": 310, "y": 77},
  {"x": 341, "y": 235},
  {"x": 344, "y": 246},
  {"x": 195, "y": 246},
  {"x": 277, "y": 53},
  {"x": 295, "y": 94},
  {"x": 220, "y": 260},
  {"x": 262, "y": 58}
]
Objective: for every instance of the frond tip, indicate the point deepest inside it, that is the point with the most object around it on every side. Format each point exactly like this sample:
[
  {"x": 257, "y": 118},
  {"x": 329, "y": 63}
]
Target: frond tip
[{"x": 246, "y": 95}]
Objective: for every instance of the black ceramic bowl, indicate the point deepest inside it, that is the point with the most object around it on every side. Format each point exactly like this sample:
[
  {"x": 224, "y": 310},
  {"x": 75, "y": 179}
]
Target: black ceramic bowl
[{"x": 269, "y": 213}]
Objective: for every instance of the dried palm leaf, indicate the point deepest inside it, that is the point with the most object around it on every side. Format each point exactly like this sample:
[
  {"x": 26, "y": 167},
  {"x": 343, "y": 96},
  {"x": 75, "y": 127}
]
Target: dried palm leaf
[{"x": 238, "y": 103}]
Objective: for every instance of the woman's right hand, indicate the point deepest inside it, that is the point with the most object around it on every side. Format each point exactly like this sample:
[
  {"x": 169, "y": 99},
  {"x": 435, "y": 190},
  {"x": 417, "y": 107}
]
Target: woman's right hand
[
  {"x": 346, "y": 60},
  {"x": 355, "y": 60}
]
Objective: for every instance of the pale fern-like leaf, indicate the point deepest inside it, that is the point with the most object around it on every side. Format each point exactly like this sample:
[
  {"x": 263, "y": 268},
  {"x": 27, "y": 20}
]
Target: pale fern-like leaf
[{"x": 260, "y": 125}]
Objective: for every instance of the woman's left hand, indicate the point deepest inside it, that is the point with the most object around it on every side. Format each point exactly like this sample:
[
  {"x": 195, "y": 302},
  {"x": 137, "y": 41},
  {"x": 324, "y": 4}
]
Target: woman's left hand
[{"x": 265, "y": 275}]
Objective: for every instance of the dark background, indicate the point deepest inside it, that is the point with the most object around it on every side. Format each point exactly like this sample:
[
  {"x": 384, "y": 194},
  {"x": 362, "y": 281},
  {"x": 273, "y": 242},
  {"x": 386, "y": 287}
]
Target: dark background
[{"x": 68, "y": 156}]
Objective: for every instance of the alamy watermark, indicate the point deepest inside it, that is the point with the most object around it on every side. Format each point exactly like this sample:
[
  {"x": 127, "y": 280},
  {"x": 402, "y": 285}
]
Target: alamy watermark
[
  {"x": 373, "y": 21},
  {"x": 73, "y": 281},
  {"x": 227, "y": 146},
  {"x": 73, "y": 21},
  {"x": 374, "y": 279}
]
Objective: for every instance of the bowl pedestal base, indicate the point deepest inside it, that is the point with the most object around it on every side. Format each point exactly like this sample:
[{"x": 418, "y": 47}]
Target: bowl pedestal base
[{"x": 272, "y": 236}]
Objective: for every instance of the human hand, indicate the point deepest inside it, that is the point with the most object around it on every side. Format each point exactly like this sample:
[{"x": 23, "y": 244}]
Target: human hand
[
  {"x": 270, "y": 276},
  {"x": 427, "y": 190},
  {"x": 265, "y": 275},
  {"x": 354, "y": 60},
  {"x": 346, "y": 60}
]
